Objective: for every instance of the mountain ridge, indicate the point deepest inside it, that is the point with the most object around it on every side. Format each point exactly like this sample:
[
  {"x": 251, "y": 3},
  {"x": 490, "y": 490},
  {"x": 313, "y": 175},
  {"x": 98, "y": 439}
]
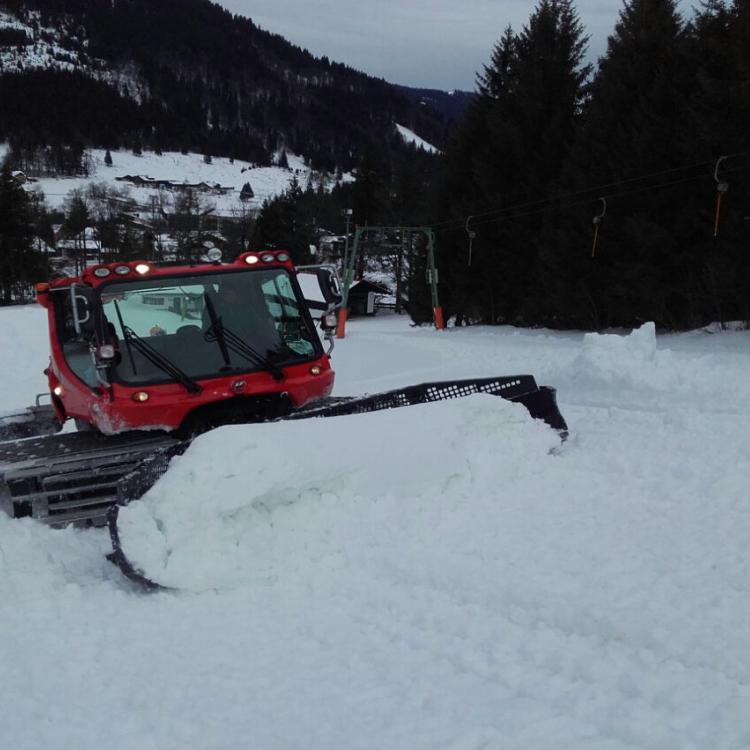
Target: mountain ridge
[{"x": 189, "y": 75}]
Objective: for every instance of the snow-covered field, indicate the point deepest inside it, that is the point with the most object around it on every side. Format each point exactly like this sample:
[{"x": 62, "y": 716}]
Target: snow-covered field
[
  {"x": 266, "y": 182},
  {"x": 445, "y": 576}
]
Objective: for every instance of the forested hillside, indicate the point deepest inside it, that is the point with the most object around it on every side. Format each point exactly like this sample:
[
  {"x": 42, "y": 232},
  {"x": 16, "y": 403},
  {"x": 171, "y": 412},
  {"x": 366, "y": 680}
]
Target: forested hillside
[
  {"x": 590, "y": 197},
  {"x": 187, "y": 75}
]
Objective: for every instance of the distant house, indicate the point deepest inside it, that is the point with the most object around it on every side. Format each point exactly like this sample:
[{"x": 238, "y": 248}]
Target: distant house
[
  {"x": 364, "y": 295},
  {"x": 331, "y": 246},
  {"x": 85, "y": 242},
  {"x": 174, "y": 186}
]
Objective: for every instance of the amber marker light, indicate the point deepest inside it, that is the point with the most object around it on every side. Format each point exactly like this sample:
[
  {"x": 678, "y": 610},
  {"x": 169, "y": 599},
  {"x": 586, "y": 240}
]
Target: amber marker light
[{"x": 316, "y": 370}]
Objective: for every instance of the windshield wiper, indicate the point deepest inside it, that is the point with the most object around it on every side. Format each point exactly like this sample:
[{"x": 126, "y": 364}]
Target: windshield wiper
[
  {"x": 216, "y": 331},
  {"x": 219, "y": 332},
  {"x": 127, "y": 343},
  {"x": 228, "y": 340},
  {"x": 159, "y": 360}
]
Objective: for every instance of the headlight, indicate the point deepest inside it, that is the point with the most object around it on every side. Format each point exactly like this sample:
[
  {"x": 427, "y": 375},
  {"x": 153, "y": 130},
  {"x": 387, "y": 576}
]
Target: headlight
[
  {"x": 140, "y": 396},
  {"x": 106, "y": 351},
  {"x": 102, "y": 272},
  {"x": 268, "y": 257},
  {"x": 122, "y": 270},
  {"x": 214, "y": 255},
  {"x": 283, "y": 257},
  {"x": 251, "y": 260},
  {"x": 142, "y": 268}
]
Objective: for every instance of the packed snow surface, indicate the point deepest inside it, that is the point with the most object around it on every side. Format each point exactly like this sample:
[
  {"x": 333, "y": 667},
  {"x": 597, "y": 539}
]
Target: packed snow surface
[{"x": 447, "y": 576}]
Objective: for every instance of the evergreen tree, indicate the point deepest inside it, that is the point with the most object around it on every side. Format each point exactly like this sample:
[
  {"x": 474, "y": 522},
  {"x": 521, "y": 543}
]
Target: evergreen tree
[
  {"x": 108, "y": 158},
  {"x": 246, "y": 193},
  {"x": 20, "y": 265},
  {"x": 639, "y": 104},
  {"x": 509, "y": 151}
]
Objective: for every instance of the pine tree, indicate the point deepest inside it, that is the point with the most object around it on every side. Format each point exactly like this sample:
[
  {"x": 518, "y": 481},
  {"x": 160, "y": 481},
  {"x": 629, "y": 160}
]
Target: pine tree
[
  {"x": 108, "y": 158},
  {"x": 639, "y": 104},
  {"x": 20, "y": 265},
  {"x": 510, "y": 151},
  {"x": 246, "y": 193}
]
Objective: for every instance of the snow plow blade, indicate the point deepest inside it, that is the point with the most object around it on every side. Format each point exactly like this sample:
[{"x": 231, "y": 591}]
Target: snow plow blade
[{"x": 540, "y": 402}]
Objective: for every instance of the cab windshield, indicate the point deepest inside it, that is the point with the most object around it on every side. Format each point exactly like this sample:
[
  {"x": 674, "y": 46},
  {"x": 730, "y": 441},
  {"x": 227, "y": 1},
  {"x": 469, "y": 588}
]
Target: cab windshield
[{"x": 178, "y": 318}]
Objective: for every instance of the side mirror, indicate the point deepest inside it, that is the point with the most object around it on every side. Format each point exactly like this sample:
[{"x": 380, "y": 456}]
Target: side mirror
[
  {"x": 329, "y": 285},
  {"x": 320, "y": 287},
  {"x": 328, "y": 322}
]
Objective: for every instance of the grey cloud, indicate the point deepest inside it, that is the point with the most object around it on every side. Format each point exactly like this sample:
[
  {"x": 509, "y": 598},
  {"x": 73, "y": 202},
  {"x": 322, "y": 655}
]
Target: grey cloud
[{"x": 430, "y": 43}]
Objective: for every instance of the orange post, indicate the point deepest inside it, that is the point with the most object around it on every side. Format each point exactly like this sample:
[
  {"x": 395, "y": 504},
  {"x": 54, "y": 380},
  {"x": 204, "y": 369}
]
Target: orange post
[
  {"x": 341, "y": 328},
  {"x": 439, "y": 322}
]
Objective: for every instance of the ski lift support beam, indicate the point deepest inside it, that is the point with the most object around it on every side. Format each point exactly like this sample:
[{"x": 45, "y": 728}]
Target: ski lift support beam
[{"x": 432, "y": 274}]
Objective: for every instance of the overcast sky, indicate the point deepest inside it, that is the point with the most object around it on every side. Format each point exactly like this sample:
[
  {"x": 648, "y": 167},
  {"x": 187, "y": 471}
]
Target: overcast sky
[{"x": 431, "y": 43}]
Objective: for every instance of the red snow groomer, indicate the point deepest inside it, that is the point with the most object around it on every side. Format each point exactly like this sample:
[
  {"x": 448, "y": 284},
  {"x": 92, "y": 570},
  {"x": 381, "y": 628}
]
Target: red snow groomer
[{"x": 145, "y": 356}]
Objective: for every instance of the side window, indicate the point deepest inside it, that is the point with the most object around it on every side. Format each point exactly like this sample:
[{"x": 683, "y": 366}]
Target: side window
[
  {"x": 76, "y": 352},
  {"x": 279, "y": 297},
  {"x": 283, "y": 306}
]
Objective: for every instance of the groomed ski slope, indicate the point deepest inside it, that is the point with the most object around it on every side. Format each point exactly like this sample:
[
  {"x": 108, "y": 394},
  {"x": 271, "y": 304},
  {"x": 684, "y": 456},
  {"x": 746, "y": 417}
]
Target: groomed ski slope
[{"x": 454, "y": 580}]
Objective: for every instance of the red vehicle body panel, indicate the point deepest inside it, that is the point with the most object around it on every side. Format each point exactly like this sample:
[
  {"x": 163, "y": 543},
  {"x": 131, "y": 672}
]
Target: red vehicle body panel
[{"x": 113, "y": 409}]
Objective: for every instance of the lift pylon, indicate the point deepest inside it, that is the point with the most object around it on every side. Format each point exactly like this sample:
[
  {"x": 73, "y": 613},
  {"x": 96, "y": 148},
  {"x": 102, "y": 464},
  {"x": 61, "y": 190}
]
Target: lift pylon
[{"x": 432, "y": 274}]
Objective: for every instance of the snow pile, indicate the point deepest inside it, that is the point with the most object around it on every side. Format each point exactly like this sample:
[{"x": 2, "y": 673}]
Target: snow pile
[
  {"x": 627, "y": 361},
  {"x": 240, "y": 502}
]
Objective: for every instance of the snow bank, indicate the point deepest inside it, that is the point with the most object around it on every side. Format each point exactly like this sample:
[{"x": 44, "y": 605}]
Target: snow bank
[
  {"x": 628, "y": 361},
  {"x": 24, "y": 354},
  {"x": 444, "y": 582},
  {"x": 241, "y": 500}
]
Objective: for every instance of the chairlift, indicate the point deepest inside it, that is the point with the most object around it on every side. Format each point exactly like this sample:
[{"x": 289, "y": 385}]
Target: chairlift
[
  {"x": 721, "y": 188},
  {"x": 471, "y": 234},
  {"x": 596, "y": 221}
]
